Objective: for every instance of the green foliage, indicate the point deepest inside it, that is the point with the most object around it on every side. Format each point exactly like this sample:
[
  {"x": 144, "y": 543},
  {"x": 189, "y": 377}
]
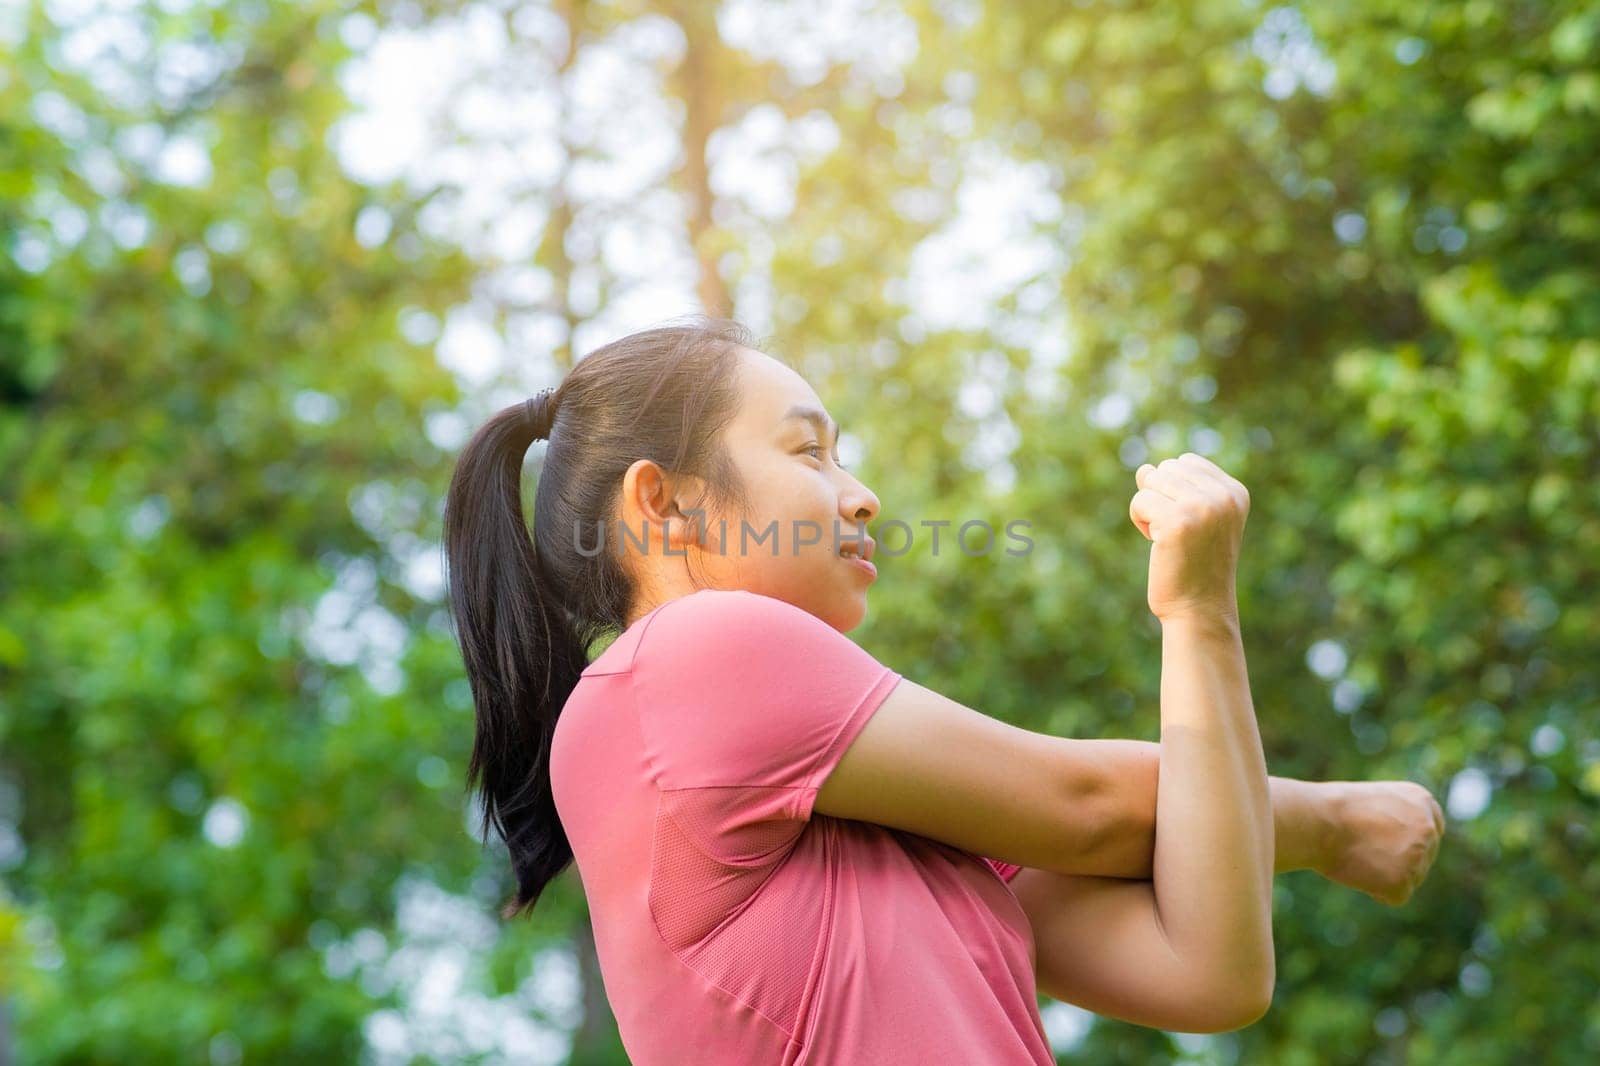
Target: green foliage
[{"x": 196, "y": 391}]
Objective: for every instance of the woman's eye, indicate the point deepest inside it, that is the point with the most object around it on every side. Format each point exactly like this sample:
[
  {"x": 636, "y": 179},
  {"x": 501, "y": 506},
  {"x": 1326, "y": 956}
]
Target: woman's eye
[{"x": 818, "y": 448}]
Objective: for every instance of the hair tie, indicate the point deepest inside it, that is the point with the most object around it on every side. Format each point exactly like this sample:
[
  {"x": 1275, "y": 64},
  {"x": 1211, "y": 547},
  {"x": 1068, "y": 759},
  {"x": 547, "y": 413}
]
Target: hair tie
[{"x": 538, "y": 411}]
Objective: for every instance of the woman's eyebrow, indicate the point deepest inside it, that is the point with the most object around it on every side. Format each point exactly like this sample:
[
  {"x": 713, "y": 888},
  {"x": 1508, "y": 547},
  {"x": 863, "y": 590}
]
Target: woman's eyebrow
[{"x": 824, "y": 425}]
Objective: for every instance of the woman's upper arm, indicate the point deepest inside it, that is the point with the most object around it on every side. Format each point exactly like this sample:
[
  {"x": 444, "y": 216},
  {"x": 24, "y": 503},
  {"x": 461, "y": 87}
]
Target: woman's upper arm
[
  {"x": 929, "y": 765},
  {"x": 1098, "y": 944}
]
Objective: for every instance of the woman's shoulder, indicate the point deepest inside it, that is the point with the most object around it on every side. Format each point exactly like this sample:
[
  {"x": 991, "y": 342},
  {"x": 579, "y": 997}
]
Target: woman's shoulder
[
  {"x": 724, "y": 623},
  {"x": 692, "y": 618}
]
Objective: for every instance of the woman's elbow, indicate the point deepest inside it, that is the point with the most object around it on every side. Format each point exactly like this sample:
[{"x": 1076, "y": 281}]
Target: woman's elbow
[
  {"x": 1245, "y": 1013},
  {"x": 1241, "y": 1005}
]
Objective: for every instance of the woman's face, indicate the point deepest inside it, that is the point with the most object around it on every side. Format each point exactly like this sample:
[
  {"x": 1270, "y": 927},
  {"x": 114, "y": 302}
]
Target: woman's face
[{"x": 807, "y": 515}]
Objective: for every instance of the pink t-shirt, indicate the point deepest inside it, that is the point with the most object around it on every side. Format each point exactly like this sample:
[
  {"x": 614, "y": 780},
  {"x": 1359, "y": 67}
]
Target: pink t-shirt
[{"x": 734, "y": 928}]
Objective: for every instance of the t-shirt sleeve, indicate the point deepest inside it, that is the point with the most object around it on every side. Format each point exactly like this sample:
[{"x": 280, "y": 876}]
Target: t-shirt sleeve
[{"x": 745, "y": 704}]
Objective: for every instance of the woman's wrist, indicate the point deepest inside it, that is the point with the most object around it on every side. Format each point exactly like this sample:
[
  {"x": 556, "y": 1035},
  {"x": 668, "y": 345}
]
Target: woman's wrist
[{"x": 1309, "y": 823}]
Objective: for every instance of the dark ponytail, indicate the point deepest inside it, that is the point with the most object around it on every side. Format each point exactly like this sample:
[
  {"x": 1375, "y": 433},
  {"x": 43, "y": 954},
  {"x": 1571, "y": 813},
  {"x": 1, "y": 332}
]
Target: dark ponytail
[{"x": 528, "y": 605}]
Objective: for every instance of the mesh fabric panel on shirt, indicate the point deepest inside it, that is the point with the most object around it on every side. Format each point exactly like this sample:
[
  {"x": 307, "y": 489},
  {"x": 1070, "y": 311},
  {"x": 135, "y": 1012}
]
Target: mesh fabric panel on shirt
[{"x": 715, "y": 917}]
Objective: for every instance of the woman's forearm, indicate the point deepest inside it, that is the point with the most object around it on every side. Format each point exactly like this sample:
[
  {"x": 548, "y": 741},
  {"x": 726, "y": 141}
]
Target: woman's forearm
[
  {"x": 1213, "y": 856},
  {"x": 1302, "y": 813}
]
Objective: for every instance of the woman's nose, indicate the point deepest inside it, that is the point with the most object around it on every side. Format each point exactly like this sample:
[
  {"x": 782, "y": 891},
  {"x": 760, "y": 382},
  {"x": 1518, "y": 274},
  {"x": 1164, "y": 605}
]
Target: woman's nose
[{"x": 861, "y": 506}]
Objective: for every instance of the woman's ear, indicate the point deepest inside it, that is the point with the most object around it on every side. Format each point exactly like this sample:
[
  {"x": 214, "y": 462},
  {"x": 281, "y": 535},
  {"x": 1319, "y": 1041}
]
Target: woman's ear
[
  {"x": 661, "y": 509},
  {"x": 687, "y": 518}
]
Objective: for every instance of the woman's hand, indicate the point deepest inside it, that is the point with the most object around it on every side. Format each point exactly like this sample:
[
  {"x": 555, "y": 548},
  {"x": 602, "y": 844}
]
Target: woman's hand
[
  {"x": 1385, "y": 836},
  {"x": 1194, "y": 514}
]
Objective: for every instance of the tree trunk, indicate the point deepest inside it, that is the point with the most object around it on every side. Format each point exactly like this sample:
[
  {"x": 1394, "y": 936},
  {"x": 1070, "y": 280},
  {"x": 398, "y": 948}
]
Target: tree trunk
[
  {"x": 552, "y": 253},
  {"x": 596, "y": 1040},
  {"x": 6, "y": 1058},
  {"x": 696, "y": 87}
]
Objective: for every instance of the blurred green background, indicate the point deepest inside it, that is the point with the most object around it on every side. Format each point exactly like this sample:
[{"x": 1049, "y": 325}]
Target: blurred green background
[{"x": 264, "y": 265}]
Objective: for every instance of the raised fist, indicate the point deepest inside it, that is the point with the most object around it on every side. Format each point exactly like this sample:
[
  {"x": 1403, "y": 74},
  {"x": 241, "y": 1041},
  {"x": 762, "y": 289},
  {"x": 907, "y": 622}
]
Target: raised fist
[
  {"x": 1193, "y": 513},
  {"x": 1385, "y": 838}
]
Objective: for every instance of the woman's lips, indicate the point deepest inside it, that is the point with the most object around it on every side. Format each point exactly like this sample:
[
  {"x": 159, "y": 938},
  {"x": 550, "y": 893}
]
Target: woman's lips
[{"x": 861, "y": 563}]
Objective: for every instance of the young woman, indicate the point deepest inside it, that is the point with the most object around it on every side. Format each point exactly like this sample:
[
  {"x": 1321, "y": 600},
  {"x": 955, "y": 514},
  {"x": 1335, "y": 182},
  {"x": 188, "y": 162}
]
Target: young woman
[{"x": 793, "y": 853}]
